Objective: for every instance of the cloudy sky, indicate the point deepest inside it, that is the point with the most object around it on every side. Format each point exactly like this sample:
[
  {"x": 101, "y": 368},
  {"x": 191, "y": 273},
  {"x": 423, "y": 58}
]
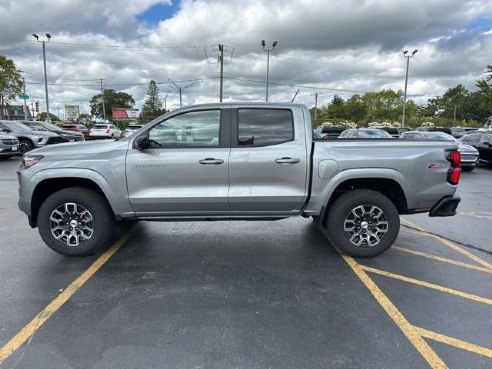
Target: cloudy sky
[{"x": 329, "y": 47}]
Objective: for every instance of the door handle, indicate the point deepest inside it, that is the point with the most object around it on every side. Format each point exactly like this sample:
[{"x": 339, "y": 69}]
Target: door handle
[
  {"x": 211, "y": 161},
  {"x": 287, "y": 160}
]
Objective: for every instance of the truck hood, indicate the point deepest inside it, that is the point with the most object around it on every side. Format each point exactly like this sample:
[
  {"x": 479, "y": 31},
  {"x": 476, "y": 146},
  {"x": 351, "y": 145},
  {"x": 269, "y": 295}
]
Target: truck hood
[{"x": 81, "y": 149}]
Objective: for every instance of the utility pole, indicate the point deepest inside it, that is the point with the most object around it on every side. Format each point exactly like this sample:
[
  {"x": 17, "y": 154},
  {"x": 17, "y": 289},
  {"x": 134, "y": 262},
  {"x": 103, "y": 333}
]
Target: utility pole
[
  {"x": 102, "y": 98},
  {"x": 48, "y": 36},
  {"x": 25, "y": 103},
  {"x": 223, "y": 56},
  {"x": 221, "y": 60}
]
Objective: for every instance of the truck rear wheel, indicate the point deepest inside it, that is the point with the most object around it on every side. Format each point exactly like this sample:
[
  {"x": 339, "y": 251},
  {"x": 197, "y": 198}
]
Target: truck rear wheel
[
  {"x": 363, "y": 223},
  {"x": 76, "y": 221}
]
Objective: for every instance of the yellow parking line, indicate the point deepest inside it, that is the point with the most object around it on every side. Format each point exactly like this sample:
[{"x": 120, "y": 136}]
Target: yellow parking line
[
  {"x": 433, "y": 286},
  {"x": 28, "y": 331},
  {"x": 408, "y": 329},
  {"x": 450, "y": 244},
  {"x": 455, "y": 342},
  {"x": 444, "y": 260}
]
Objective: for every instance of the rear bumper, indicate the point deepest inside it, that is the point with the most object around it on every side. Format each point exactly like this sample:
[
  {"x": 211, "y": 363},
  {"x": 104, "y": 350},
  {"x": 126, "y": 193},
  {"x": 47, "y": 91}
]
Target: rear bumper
[{"x": 445, "y": 207}]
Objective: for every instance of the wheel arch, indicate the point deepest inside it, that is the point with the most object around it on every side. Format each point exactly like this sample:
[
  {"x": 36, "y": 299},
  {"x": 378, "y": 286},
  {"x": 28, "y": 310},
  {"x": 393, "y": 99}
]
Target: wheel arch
[
  {"x": 49, "y": 186},
  {"x": 386, "y": 186}
]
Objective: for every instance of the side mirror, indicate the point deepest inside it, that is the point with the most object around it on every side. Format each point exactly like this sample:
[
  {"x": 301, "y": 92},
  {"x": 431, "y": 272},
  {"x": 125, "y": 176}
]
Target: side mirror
[
  {"x": 142, "y": 142},
  {"x": 6, "y": 130}
]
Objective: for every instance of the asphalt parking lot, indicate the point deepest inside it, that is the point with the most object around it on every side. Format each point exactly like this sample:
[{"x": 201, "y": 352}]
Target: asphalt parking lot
[{"x": 250, "y": 295}]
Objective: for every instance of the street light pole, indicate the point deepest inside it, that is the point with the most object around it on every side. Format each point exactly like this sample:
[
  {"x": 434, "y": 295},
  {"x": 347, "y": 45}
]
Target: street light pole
[
  {"x": 274, "y": 44},
  {"x": 408, "y": 57},
  {"x": 181, "y": 88},
  {"x": 48, "y": 36}
]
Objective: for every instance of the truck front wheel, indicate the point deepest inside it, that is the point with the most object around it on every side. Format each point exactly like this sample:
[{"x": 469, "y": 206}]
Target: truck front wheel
[
  {"x": 76, "y": 221},
  {"x": 363, "y": 223}
]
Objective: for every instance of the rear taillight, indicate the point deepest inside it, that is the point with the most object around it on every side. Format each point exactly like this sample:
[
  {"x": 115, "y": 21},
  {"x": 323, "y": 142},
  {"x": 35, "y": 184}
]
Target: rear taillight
[{"x": 455, "y": 171}]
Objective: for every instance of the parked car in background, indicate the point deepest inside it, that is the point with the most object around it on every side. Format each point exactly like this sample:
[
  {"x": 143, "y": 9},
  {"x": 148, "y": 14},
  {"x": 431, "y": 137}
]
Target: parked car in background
[
  {"x": 364, "y": 133},
  {"x": 68, "y": 136},
  {"x": 131, "y": 128},
  {"x": 105, "y": 131},
  {"x": 28, "y": 137},
  {"x": 393, "y": 131},
  {"x": 328, "y": 132},
  {"x": 458, "y": 132},
  {"x": 77, "y": 127},
  {"x": 469, "y": 155},
  {"x": 435, "y": 129},
  {"x": 9, "y": 146},
  {"x": 482, "y": 141}
]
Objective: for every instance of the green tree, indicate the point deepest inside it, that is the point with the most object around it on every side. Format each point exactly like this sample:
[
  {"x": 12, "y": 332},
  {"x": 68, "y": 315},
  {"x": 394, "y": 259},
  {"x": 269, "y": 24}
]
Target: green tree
[
  {"x": 355, "y": 109},
  {"x": 452, "y": 102},
  {"x": 385, "y": 105},
  {"x": 152, "y": 106},
  {"x": 431, "y": 109},
  {"x": 485, "y": 89},
  {"x": 335, "y": 108},
  {"x": 10, "y": 82},
  {"x": 473, "y": 108},
  {"x": 112, "y": 99},
  {"x": 42, "y": 117}
]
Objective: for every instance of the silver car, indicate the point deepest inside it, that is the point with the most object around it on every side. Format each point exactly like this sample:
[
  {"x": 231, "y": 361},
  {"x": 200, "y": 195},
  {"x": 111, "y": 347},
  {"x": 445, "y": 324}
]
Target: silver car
[
  {"x": 469, "y": 154},
  {"x": 28, "y": 137},
  {"x": 131, "y": 129},
  {"x": 9, "y": 146}
]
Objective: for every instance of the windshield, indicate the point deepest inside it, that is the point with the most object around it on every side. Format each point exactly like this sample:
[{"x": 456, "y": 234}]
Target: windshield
[
  {"x": 373, "y": 133},
  {"x": 51, "y": 126},
  {"x": 18, "y": 126},
  {"x": 36, "y": 126},
  {"x": 439, "y": 136},
  {"x": 101, "y": 126}
]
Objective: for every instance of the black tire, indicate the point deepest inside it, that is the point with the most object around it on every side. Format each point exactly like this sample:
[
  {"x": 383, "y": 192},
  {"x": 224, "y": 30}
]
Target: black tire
[
  {"x": 25, "y": 146},
  {"x": 362, "y": 209},
  {"x": 99, "y": 219},
  {"x": 7, "y": 157}
]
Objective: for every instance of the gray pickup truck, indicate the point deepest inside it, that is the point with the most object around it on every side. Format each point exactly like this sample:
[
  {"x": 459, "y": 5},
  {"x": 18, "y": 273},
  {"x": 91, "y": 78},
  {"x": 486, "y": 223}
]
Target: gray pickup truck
[{"x": 244, "y": 161}]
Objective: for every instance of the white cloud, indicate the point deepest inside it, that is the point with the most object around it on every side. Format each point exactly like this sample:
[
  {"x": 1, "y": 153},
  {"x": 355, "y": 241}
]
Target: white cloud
[{"x": 334, "y": 47}]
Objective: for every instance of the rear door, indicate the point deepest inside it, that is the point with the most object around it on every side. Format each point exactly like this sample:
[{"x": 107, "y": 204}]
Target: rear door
[
  {"x": 185, "y": 171},
  {"x": 268, "y": 165}
]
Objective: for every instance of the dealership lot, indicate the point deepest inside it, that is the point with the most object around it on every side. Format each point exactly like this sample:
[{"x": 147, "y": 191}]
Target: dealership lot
[{"x": 250, "y": 295}]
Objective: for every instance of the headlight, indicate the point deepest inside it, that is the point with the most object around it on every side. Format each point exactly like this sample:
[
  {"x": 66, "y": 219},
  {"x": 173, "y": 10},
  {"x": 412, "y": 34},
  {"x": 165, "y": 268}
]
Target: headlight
[{"x": 29, "y": 160}]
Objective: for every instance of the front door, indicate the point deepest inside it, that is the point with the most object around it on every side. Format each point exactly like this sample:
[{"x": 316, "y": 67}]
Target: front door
[{"x": 185, "y": 169}]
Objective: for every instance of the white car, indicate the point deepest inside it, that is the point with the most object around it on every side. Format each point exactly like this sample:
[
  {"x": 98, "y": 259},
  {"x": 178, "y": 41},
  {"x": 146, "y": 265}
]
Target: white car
[
  {"x": 132, "y": 128},
  {"x": 104, "y": 131}
]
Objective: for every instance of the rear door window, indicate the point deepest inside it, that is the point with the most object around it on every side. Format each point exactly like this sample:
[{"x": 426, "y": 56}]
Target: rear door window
[{"x": 264, "y": 127}]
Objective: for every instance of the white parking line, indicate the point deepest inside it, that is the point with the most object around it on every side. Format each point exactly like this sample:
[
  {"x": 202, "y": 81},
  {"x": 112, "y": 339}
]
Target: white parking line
[{"x": 479, "y": 214}]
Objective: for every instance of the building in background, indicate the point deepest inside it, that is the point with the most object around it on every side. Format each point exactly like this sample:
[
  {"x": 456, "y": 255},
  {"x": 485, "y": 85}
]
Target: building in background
[{"x": 16, "y": 112}]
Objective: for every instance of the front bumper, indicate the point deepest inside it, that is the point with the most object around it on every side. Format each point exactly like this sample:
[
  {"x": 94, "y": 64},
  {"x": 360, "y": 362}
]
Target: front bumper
[{"x": 446, "y": 207}]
